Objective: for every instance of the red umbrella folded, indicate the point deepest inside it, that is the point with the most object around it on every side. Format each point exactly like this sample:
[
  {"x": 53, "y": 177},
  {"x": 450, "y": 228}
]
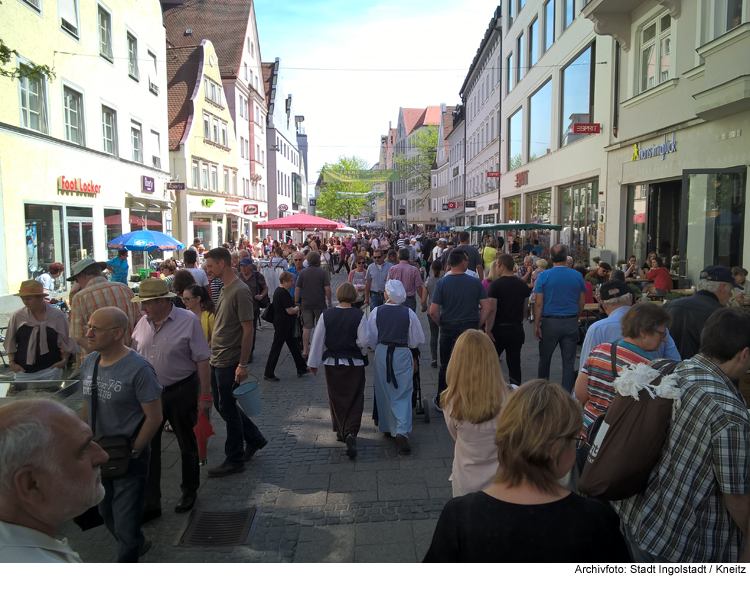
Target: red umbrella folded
[{"x": 203, "y": 430}]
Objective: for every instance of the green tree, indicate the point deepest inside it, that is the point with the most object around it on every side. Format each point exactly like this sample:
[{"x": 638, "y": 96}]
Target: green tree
[
  {"x": 416, "y": 166},
  {"x": 22, "y": 70},
  {"x": 330, "y": 205}
]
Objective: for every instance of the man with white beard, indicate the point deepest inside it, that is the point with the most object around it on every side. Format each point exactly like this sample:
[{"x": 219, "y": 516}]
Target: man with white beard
[{"x": 49, "y": 473}]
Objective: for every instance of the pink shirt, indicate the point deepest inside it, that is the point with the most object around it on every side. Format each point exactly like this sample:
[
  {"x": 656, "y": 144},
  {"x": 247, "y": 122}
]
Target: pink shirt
[{"x": 408, "y": 275}]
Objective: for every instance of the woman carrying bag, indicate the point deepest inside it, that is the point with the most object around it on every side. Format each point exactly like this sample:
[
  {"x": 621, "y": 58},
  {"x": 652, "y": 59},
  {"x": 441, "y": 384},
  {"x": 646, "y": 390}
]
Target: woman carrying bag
[{"x": 284, "y": 318}]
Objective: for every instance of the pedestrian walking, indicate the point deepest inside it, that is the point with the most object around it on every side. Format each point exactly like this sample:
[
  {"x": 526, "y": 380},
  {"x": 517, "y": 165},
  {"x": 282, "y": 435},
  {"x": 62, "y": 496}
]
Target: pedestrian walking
[
  {"x": 37, "y": 339},
  {"x": 377, "y": 275},
  {"x": 340, "y": 345},
  {"x": 172, "y": 341},
  {"x": 471, "y": 404},
  {"x": 560, "y": 296},
  {"x": 191, "y": 266},
  {"x": 474, "y": 258},
  {"x": 231, "y": 345},
  {"x": 508, "y": 300},
  {"x": 197, "y": 301},
  {"x": 127, "y": 405},
  {"x": 459, "y": 303},
  {"x": 357, "y": 278},
  {"x": 344, "y": 254},
  {"x": 393, "y": 329},
  {"x": 312, "y": 292},
  {"x": 285, "y": 317},
  {"x": 410, "y": 277},
  {"x": 437, "y": 273},
  {"x": 258, "y": 287}
]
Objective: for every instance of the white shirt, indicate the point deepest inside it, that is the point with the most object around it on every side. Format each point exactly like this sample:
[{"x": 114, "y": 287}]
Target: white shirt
[
  {"x": 468, "y": 272},
  {"x": 374, "y": 243},
  {"x": 416, "y": 334},
  {"x": 22, "y": 544},
  {"x": 200, "y": 276},
  {"x": 315, "y": 357}
]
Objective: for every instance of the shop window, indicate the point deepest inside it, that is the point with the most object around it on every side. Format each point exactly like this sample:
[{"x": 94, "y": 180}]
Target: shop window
[
  {"x": 540, "y": 212},
  {"x": 577, "y": 95},
  {"x": 113, "y": 228},
  {"x": 513, "y": 210},
  {"x": 515, "y": 139},
  {"x": 45, "y": 239},
  {"x": 133, "y": 57},
  {"x": 109, "y": 130},
  {"x": 540, "y": 127},
  {"x": 533, "y": 42},
  {"x": 155, "y": 149},
  {"x": 569, "y": 7},
  {"x": 105, "y": 34},
  {"x": 579, "y": 217},
  {"x": 136, "y": 141},
  {"x": 69, "y": 16},
  {"x": 549, "y": 24},
  {"x": 73, "y": 111},
  {"x": 79, "y": 228},
  {"x": 34, "y": 103},
  {"x": 655, "y": 52},
  {"x": 511, "y": 74}
]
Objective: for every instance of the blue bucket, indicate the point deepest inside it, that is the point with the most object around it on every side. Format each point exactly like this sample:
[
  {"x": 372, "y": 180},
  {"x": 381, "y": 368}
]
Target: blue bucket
[{"x": 248, "y": 397}]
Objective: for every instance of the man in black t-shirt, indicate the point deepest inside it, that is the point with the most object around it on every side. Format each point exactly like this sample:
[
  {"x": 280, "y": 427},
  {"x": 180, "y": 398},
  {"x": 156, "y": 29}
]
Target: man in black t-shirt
[
  {"x": 508, "y": 296},
  {"x": 475, "y": 259}
]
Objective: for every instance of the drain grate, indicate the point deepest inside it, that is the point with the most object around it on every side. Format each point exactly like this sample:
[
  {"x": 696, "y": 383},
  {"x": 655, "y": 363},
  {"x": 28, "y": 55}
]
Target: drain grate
[{"x": 220, "y": 528}]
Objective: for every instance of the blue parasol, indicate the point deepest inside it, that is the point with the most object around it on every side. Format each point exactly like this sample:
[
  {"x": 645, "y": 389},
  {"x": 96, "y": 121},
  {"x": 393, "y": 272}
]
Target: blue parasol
[
  {"x": 149, "y": 240},
  {"x": 443, "y": 229}
]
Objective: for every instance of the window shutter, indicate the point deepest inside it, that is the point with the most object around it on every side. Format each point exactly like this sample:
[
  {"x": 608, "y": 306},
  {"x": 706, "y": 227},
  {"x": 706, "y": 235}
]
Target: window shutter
[{"x": 69, "y": 16}]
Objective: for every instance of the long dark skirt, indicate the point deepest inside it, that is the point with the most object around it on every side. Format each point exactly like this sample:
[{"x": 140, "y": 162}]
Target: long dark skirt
[{"x": 346, "y": 397}]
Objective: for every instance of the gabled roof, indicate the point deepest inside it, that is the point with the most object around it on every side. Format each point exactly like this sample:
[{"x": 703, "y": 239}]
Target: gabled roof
[
  {"x": 183, "y": 64},
  {"x": 416, "y": 118},
  {"x": 267, "y": 69},
  {"x": 224, "y": 22}
]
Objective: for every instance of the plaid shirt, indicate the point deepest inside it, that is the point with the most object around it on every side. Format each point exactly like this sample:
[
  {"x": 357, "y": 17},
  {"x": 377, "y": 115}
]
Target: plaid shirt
[
  {"x": 408, "y": 275},
  {"x": 100, "y": 293},
  {"x": 682, "y": 516}
]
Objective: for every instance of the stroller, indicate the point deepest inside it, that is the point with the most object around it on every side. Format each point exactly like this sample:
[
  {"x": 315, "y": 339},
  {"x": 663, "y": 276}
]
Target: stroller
[{"x": 417, "y": 402}]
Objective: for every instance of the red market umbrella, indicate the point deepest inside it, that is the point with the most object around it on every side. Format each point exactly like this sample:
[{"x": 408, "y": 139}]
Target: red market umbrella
[
  {"x": 203, "y": 430},
  {"x": 299, "y": 221},
  {"x": 113, "y": 220}
]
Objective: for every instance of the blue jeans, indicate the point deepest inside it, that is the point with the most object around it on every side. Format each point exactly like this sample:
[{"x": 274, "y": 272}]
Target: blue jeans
[
  {"x": 239, "y": 427},
  {"x": 122, "y": 507},
  {"x": 449, "y": 333},
  {"x": 562, "y": 331},
  {"x": 376, "y": 299}
]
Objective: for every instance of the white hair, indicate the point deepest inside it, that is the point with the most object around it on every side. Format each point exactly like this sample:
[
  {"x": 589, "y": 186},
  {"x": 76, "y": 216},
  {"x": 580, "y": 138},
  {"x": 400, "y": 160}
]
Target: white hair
[
  {"x": 26, "y": 442},
  {"x": 706, "y": 285},
  {"x": 618, "y": 301}
]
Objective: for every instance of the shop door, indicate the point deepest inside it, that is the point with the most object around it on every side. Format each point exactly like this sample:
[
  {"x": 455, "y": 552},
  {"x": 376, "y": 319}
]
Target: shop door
[
  {"x": 80, "y": 239},
  {"x": 664, "y": 206},
  {"x": 713, "y": 214}
]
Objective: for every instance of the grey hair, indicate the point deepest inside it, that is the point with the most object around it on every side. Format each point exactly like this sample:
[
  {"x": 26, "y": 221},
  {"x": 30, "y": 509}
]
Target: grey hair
[
  {"x": 26, "y": 442},
  {"x": 626, "y": 299},
  {"x": 706, "y": 285}
]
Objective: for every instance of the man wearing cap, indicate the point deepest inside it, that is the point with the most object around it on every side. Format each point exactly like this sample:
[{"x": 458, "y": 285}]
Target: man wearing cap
[
  {"x": 118, "y": 266},
  {"x": 37, "y": 338},
  {"x": 689, "y": 315},
  {"x": 96, "y": 292},
  {"x": 258, "y": 287},
  {"x": 600, "y": 274},
  {"x": 616, "y": 299},
  {"x": 172, "y": 340}
]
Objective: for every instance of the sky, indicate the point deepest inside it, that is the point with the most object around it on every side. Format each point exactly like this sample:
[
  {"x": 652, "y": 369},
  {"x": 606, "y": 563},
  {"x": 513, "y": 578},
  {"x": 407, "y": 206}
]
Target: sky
[{"x": 351, "y": 64}]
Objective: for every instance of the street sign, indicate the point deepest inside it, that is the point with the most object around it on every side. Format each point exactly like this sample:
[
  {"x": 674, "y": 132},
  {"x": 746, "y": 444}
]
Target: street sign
[
  {"x": 283, "y": 207},
  {"x": 493, "y": 174},
  {"x": 451, "y": 205},
  {"x": 587, "y": 128},
  {"x": 312, "y": 202},
  {"x": 471, "y": 204},
  {"x": 445, "y": 207},
  {"x": 175, "y": 186}
]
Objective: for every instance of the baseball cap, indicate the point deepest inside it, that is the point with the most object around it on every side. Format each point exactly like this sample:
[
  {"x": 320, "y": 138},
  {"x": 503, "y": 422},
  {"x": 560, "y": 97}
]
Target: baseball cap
[
  {"x": 81, "y": 266},
  {"x": 718, "y": 273},
  {"x": 246, "y": 261},
  {"x": 613, "y": 289}
]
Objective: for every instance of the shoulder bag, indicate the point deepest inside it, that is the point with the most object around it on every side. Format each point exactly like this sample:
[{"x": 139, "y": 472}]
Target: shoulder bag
[{"x": 268, "y": 314}]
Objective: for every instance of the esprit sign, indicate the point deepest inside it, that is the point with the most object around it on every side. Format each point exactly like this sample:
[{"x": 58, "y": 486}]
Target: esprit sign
[
  {"x": 78, "y": 186},
  {"x": 250, "y": 209},
  {"x": 666, "y": 147},
  {"x": 580, "y": 128}
]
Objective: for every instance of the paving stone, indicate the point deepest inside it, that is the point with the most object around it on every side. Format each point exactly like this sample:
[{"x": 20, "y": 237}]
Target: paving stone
[
  {"x": 352, "y": 481},
  {"x": 353, "y": 497},
  {"x": 298, "y": 498},
  {"x": 385, "y": 553},
  {"x": 383, "y": 533}
]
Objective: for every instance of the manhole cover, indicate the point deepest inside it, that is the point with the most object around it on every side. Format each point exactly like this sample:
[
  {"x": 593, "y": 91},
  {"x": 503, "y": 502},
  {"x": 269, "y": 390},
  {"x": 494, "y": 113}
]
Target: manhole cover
[{"x": 220, "y": 528}]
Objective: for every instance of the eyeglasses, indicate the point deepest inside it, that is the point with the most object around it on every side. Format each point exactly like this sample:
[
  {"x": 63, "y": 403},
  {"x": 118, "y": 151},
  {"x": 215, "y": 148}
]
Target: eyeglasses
[
  {"x": 661, "y": 333},
  {"x": 88, "y": 327},
  {"x": 298, "y": 260},
  {"x": 580, "y": 442},
  {"x": 186, "y": 300},
  {"x": 377, "y": 257},
  {"x": 360, "y": 263}
]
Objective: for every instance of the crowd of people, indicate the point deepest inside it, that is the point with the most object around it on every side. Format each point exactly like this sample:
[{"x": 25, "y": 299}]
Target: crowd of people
[{"x": 178, "y": 347}]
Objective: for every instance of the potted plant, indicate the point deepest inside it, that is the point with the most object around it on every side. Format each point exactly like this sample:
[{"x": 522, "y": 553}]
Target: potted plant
[
  {"x": 596, "y": 260},
  {"x": 623, "y": 264}
]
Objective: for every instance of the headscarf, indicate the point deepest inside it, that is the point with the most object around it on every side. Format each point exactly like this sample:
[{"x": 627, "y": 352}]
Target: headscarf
[{"x": 395, "y": 290}]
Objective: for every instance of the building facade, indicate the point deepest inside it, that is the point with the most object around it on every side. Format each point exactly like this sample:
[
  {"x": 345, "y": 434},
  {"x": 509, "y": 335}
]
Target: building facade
[
  {"x": 454, "y": 216},
  {"x": 83, "y": 157},
  {"x": 441, "y": 171}
]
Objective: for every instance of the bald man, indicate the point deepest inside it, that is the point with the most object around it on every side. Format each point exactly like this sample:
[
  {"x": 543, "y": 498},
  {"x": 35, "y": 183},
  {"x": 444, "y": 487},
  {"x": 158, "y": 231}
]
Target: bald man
[
  {"x": 49, "y": 473},
  {"x": 128, "y": 405}
]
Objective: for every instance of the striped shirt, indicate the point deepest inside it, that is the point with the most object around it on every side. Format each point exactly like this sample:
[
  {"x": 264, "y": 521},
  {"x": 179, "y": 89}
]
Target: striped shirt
[
  {"x": 100, "y": 293},
  {"x": 682, "y": 515},
  {"x": 408, "y": 275},
  {"x": 601, "y": 387}
]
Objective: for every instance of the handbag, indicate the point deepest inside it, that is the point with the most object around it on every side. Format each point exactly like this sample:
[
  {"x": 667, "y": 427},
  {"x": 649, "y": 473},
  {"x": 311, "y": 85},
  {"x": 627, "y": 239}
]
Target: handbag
[
  {"x": 297, "y": 331},
  {"x": 264, "y": 302},
  {"x": 268, "y": 314},
  {"x": 630, "y": 438}
]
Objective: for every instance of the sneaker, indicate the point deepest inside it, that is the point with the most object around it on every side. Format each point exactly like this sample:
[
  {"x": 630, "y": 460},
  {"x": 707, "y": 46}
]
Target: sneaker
[
  {"x": 402, "y": 443},
  {"x": 225, "y": 469},
  {"x": 251, "y": 449},
  {"x": 437, "y": 404},
  {"x": 351, "y": 445},
  {"x": 271, "y": 378}
]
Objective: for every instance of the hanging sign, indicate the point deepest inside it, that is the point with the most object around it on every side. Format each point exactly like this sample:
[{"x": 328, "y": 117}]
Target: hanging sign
[
  {"x": 250, "y": 209},
  {"x": 493, "y": 174},
  {"x": 587, "y": 128},
  {"x": 283, "y": 207}
]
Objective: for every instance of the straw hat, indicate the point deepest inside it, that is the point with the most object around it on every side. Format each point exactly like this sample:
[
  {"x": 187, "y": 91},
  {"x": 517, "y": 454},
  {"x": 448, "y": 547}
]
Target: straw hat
[
  {"x": 153, "y": 289},
  {"x": 31, "y": 287}
]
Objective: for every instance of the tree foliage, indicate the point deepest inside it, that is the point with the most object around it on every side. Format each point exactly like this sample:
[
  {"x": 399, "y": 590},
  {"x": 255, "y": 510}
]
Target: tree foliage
[
  {"x": 22, "y": 70},
  {"x": 330, "y": 205},
  {"x": 416, "y": 163}
]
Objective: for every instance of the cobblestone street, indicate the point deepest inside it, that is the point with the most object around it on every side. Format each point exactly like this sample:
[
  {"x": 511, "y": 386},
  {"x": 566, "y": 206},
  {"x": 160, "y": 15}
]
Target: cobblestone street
[{"x": 316, "y": 504}]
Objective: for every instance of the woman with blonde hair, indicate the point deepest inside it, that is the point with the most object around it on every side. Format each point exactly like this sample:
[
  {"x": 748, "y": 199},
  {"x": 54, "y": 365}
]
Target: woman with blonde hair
[
  {"x": 526, "y": 515},
  {"x": 494, "y": 273},
  {"x": 471, "y": 405}
]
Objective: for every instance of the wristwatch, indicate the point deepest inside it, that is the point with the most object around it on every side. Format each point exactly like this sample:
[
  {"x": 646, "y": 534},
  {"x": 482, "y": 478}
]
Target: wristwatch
[{"x": 134, "y": 455}]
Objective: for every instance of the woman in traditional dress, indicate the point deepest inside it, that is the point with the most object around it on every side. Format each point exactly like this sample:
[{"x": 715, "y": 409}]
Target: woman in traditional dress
[
  {"x": 340, "y": 344},
  {"x": 393, "y": 330}
]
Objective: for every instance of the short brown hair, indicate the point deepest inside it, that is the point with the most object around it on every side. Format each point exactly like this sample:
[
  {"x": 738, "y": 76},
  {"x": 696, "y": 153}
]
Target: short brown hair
[
  {"x": 220, "y": 254},
  {"x": 346, "y": 293},
  {"x": 285, "y": 276},
  {"x": 506, "y": 261},
  {"x": 313, "y": 258},
  {"x": 533, "y": 418},
  {"x": 645, "y": 317}
]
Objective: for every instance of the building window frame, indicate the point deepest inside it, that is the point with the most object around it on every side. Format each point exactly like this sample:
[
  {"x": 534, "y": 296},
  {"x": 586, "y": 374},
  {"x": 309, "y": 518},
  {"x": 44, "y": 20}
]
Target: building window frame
[
  {"x": 592, "y": 87},
  {"x": 34, "y": 5},
  {"x": 568, "y": 13},
  {"x": 68, "y": 88},
  {"x": 511, "y": 77},
  {"x": 104, "y": 26},
  {"x": 533, "y": 42},
  {"x": 517, "y": 112},
  {"x": 64, "y": 10},
  {"x": 132, "y": 44},
  {"x": 155, "y": 149},
  {"x": 656, "y": 44},
  {"x": 26, "y": 91},
  {"x": 136, "y": 141},
  {"x": 520, "y": 56},
  {"x": 112, "y": 126},
  {"x": 549, "y": 24}
]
